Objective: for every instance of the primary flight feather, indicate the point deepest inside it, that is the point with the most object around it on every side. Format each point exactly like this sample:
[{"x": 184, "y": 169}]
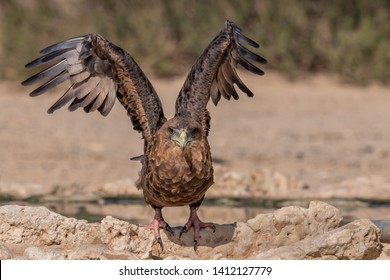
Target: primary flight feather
[{"x": 177, "y": 166}]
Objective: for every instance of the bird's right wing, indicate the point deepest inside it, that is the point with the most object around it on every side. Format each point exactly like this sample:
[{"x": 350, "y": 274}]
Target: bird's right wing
[{"x": 98, "y": 71}]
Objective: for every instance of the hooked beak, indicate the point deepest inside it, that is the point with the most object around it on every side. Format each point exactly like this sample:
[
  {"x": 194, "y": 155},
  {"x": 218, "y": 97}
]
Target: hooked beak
[{"x": 183, "y": 139}]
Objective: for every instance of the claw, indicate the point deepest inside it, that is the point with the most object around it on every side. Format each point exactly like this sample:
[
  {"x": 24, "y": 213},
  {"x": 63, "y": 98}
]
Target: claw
[
  {"x": 195, "y": 245},
  {"x": 159, "y": 241},
  {"x": 196, "y": 223},
  {"x": 183, "y": 230},
  {"x": 169, "y": 229}
]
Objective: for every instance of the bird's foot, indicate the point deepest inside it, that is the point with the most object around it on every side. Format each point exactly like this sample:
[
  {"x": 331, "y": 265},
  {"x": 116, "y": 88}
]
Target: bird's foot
[
  {"x": 197, "y": 224},
  {"x": 156, "y": 224}
]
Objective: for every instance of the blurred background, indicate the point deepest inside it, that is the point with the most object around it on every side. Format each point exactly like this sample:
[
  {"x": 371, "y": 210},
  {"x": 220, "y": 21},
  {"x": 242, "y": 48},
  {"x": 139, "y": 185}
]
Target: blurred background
[
  {"x": 318, "y": 127},
  {"x": 347, "y": 38}
]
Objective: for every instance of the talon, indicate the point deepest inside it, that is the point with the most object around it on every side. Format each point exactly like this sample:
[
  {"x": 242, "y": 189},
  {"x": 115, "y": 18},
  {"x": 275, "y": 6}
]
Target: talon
[
  {"x": 214, "y": 228},
  {"x": 195, "y": 245},
  {"x": 183, "y": 230},
  {"x": 159, "y": 241},
  {"x": 169, "y": 229}
]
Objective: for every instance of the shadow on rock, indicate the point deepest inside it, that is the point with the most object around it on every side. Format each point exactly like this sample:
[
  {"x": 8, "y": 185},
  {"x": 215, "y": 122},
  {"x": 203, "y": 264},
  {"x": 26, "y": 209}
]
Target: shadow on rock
[{"x": 223, "y": 234}]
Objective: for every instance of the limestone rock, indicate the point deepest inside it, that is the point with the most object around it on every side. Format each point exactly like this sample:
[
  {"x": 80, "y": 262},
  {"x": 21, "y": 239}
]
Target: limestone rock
[
  {"x": 43, "y": 253},
  {"x": 40, "y": 227},
  {"x": 96, "y": 252},
  {"x": 288, "y": 233},
  {"x": 5, "y": 253},
  {"x": 355, "y": 241},
  {"x": 290, "y": 224},
  {"x": 385, "y": 254},
  {"x": 122, "y": 237},
  {"x": 266, "y": 231}
]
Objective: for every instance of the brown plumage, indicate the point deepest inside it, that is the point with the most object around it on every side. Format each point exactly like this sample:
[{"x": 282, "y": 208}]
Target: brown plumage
[{"x": 176, "y": 165}]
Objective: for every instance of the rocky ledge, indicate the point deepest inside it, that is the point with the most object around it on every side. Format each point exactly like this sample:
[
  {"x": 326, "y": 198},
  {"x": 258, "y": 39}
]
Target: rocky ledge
[{"x": 289, "y": 233}]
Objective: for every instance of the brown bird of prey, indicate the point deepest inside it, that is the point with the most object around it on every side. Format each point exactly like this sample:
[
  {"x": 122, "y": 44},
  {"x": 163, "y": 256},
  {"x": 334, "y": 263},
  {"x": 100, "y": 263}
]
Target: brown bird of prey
[{"x": 177, "y": 167}]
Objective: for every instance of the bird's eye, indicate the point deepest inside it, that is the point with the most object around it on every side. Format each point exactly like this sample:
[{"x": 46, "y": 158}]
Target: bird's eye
[
  {"x": 195, "y": 131},
  {"x": 173, "y": 131}
]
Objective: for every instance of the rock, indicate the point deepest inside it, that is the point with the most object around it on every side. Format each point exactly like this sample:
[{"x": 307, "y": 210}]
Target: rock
[
  {"x": 288, "y": 233},
  {"x": 358, "y": 240},
  {"x": 43, "y": 253},
  {"x": 5, "y": 253},
  {"x": 95, "y": 252},
  {"x": 385, "y": 254},
  {"x": 40, "y": 227},
  {"x": 122, "y": 237},
  {"x": 293, "y": 223},
  {"x": 264, "y": 232}
]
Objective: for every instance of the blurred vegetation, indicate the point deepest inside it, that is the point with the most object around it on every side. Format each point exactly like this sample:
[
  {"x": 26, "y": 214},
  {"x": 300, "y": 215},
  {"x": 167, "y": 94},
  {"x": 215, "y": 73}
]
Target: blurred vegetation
[{"x": 347, "y": 38}]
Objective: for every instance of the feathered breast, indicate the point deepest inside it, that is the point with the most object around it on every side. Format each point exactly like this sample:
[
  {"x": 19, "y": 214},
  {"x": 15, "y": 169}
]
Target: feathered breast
[{"x": 178, "y": 176}]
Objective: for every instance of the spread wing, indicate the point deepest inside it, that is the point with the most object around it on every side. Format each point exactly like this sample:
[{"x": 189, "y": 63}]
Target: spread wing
[
  {"x": 214, "y": 73},
  {"x": 99, "y": 72}
]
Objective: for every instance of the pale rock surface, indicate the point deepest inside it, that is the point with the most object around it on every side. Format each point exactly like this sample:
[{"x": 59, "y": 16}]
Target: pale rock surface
[
  {"x": 41, "y": 227},
  {"x": 43, "y": 253},
  {"x": 5, "y": 253},
  {"x": 385, "y": 253},
  {"x": 290, "y": 232},
  {"x": 358, "y": 240},
  {"x": 122, "y": 237}
]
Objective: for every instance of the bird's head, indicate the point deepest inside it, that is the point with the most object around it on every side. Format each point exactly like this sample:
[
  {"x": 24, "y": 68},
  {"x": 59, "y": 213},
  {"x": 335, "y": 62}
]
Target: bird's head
[{"x": 183, "y": 132}]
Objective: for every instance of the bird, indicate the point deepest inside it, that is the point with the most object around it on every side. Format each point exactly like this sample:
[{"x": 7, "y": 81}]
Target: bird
[{"x": 177, "y": 166}]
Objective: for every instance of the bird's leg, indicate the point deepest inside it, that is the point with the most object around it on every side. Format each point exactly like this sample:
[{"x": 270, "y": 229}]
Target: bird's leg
[
  {"x": 157, "y": 223},
  {"x": 196, "y": 223}
]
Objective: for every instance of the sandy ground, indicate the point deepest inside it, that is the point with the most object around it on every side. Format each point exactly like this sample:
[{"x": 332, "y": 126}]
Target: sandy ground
[{"x": 317, "y": 130}]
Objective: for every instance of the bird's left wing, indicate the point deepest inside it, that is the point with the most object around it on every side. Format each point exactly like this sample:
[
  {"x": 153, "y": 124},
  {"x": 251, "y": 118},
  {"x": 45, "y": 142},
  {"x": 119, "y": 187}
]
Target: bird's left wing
[
  {"x": 99, "y": 72},
  {"x": 214, "y": 73}
]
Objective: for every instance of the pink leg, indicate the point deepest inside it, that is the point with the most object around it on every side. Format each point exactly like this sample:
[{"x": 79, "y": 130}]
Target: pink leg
[
  {"x": 197, "y": 224},
  {"x": 157, "y": 223}
]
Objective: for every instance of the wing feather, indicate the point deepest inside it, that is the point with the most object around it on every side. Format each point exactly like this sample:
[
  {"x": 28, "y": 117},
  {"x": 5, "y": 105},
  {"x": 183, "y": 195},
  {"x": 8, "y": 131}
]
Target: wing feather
[
  {"x": 214, "y": 92},
  {"x": 228, "y": 80},
  {"x": 249, "y": 66},
  {"x": 99, "y": 72},
  {"x": 214, "y": 73},
  {"x": 72, "y": 43},
  {"x": 46, "y": 73},
  {"x": 53, "y": 82},
  {"x": 243, "y": 51}
]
